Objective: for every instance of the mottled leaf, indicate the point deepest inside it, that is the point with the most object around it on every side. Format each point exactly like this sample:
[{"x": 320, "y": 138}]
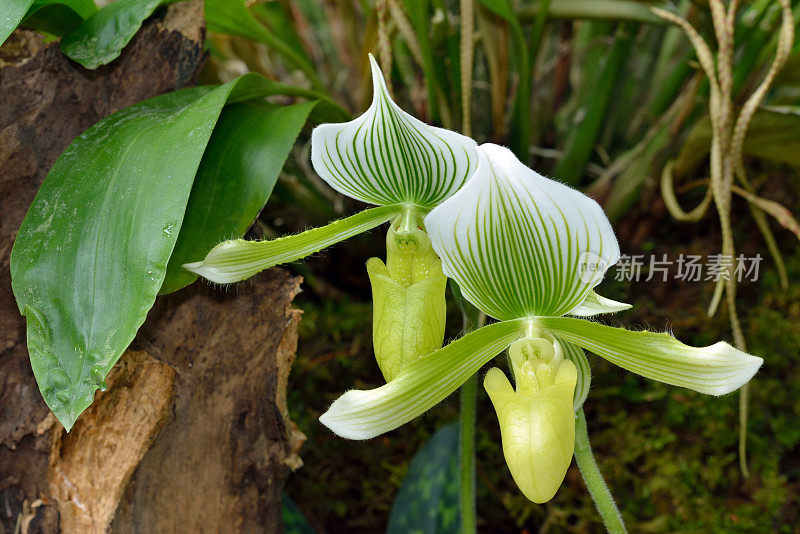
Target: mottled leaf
[{"x": 427, "y": 502}]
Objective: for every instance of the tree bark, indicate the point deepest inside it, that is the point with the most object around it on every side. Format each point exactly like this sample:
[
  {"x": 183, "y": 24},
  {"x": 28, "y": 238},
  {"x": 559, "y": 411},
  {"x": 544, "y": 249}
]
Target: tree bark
[{"x": 192, "y": 433}]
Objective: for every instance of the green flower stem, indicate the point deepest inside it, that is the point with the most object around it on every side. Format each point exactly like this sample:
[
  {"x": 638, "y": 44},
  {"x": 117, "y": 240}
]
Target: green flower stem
[
  {"x": 744, "y": 396},
  {"x": 466, "y": 497},
  {"x": 473, "y": 319},
  {"x": 603, "y": 500}
]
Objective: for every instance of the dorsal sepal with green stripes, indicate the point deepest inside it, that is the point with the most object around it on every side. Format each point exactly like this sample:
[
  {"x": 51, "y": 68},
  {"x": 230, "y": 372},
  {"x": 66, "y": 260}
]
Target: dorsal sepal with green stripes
[{"x": 386, "y": 156}]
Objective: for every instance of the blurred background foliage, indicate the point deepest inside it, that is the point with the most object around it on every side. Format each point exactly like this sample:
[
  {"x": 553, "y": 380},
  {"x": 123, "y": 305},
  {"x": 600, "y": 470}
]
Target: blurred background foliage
[{"x": 599, "y": 94}]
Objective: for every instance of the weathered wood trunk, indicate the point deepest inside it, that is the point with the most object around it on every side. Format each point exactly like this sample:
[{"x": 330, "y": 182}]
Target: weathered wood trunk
[{"x": 192, "y": 434}]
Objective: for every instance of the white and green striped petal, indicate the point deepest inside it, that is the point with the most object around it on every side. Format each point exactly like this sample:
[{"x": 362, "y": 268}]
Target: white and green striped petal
[
  {"x": 519, "y": 244},
  {"x": 237, "y": 259},
  {"x": 386, "y": 156},
  {"x": 716, "y": 369},
  {"x": 365, "y": 414},
  {"x": 595, "y": 304}
]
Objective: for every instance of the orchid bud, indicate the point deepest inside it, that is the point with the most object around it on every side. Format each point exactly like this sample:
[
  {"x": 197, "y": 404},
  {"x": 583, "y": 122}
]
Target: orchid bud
[
  {"x": 537, "y": 421},
  {"x": 408, "y": 297}
]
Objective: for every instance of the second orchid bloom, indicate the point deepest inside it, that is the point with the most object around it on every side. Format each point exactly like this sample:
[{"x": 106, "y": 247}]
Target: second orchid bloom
[{"x": 529, "y": 251}]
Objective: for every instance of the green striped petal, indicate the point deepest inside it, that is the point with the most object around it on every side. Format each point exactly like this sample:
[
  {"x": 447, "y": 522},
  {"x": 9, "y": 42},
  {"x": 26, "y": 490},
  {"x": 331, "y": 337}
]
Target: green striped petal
[
  {"x": 386, "y": 156},
  {"x": 716, "y": 369},
  {"x": 237, "y": 259},
  {"x": 595, "y": 304},
  {"x": 365, "y": 414},
  {"x": 519, "y": 244}
]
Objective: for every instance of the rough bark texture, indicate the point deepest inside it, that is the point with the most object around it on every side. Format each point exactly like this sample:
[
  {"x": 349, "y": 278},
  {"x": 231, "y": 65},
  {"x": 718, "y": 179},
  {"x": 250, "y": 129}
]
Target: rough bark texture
[
  {"x": 90, "y": 466},
  {"x": 219, "y": 465},
  {"x": 217, "y": 365}
]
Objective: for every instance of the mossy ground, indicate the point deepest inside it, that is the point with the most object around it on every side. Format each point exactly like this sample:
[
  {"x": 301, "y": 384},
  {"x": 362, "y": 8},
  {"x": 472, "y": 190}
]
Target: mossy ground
[{"x": 668, "y": 454}]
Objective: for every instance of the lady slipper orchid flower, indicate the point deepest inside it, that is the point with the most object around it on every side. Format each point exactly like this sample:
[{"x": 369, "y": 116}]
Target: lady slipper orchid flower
[
  {"x": 384, "y": 157},
  {"x": 528, "y": 251}
]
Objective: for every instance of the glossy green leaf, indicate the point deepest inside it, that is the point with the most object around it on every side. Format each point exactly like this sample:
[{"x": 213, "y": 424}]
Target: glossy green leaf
[
  {"x": 519, "y": 244},
  {"x": 243, "y": 159},
  {"x": 93, "y": 249},
  {"x": 427, "y": 502},
  {"x": 365, "y": 414},
  {"x": 58, "y": 17},
  {"x": 716, "y": 369},
  {"x": 237, "y": 259},
  {"x": 11, "y": 13},
  {"x": 386, "y": 156},
  {"x": 100, "y": 38}
]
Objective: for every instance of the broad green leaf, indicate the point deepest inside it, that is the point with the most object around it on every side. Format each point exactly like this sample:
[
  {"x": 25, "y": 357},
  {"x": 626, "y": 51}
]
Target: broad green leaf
[
  {"x": 386, "y": 156},
  {"x": 407, "y": 322},
  {"x": 246, "y": 152},
  {"x": 518, "y": 244},
  {"x": 365, "y": 414},
  {"x": 100, "y": 38},
  {"x": 427, "y": 502},
  {"x": 237, "y": 259},
  {"x": 716, "y": 369},
  {"x": 11, "y": 13},
  {"x": 92, "y": 251},
  {"x": 58, "y": 17},
  {"x": 595, "y": 304},
  {"x": 575, "y": 354}
]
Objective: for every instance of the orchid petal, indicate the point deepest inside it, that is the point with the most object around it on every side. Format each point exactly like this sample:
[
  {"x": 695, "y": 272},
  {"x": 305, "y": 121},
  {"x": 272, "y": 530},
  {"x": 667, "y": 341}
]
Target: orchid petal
[
  {"x": 420, "y": 386},
  {"x": 595, "y": 304},
  {"x": 716, "y": 369},
  {"x": 519, "y": 244},
  {"x": 386, "y": 156},
  {"x": 237, "y": 259}
]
